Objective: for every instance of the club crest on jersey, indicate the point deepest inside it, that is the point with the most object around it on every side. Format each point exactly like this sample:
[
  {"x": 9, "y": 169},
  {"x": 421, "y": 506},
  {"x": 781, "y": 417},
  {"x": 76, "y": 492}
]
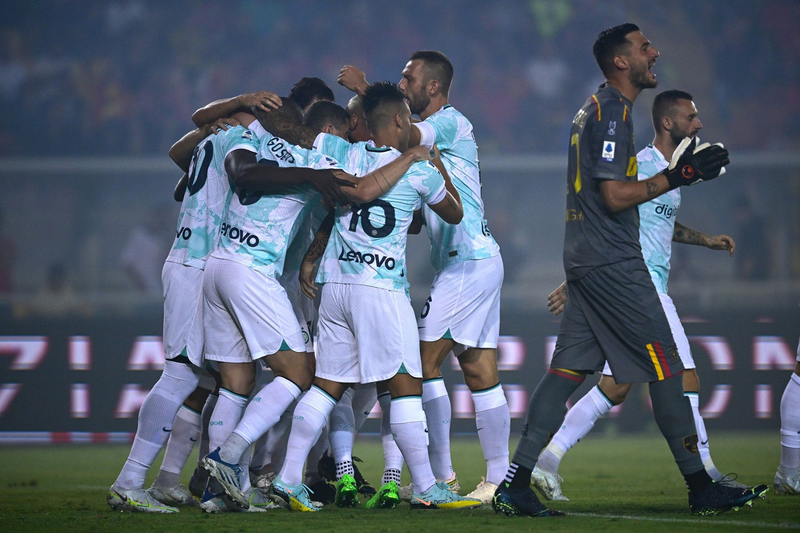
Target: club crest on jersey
[
  {"x": 608, "y": 151},
  {"x": 612, "y": 127}
]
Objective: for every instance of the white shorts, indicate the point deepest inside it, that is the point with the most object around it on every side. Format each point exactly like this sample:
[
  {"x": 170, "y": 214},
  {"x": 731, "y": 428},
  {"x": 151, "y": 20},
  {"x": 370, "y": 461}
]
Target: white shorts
[
  {"x": 246, "y": 314},
  {"x": 366, "y": 334},
  {"x": 465, "y": 299},
  {"x": 301, "y": 310},
  {"x": 678, "y": 334},
  {"x": 183, "y": 311}
]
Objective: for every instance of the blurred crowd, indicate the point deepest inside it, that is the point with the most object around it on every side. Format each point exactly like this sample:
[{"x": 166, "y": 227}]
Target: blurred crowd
[{"x": 122, "y": 77}]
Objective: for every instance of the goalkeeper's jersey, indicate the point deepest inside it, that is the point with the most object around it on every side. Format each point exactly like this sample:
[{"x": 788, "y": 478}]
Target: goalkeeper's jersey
[
  {"x": 471, "y": 239},
  {"x": 207, "y": 196},
  {"x": 368, "y": 241},
  {"x": 259, "y": 227},
  {"x": 657, "y": 219}
]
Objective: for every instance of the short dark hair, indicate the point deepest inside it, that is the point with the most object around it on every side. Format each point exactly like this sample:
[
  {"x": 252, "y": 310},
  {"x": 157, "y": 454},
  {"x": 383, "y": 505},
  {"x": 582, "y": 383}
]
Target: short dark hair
[
  {"x": 276, "y": 119},
  {"x": 322, "y": 113},
  {"x": 664, "y": 102},
  {"x": 376, "y": 100},
  {"x": 437, "y": 67},
  {"x": 611, "y": 42},
  {"x": 309, "y": 89}
]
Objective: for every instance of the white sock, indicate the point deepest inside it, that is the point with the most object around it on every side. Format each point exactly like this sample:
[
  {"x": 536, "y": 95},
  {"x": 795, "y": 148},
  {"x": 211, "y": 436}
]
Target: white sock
[
  {"x": 363, "y": 401},
  {"x": 392, "y": 457},
  {"x": 185, "y": 432},
  {"x": 263, "y": 412},
  {"x": 790, "y": 429},
  {"x": 342, "y": 429},
  {"x": 205, "y": 420},
  {"x": 702, "y": 437},
  {"x": 314, "y": 455},
  {"x": 578, "y": 422},
  {"x": 438, "y": 413},
  {"x": 226, "y": 415},
  {"x": 310, "y": 416},
  {"x": 493, "y": 421},
  {"x": 156, "y": 416},
  {"x": 268, "y": 443},
  {"x": 408, "y": 428}
]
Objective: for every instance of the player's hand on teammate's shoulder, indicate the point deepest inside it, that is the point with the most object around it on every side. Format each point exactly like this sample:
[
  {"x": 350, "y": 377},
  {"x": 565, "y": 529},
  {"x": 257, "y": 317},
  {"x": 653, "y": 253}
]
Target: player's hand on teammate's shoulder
[
  {"x": 263, "y": 100},
  {"x": 330, "y": 182},
  {"x": 353, "y": 78},
  {"x": 221, "y": 124},
  {"x": 419, "y": 153},
  {"x": 557, "y": 299},
  {"x": 722, "y": 242}
]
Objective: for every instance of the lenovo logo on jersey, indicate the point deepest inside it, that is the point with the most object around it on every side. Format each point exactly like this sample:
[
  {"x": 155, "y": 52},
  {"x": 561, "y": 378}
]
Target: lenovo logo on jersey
[
  {"x": 236, "y": 234},
  {"x": 662, "y": 209},
  {"x": 278, "y": 149},
  {"x": 184, "y": 233},
  {"x": 378, "y": 259}
]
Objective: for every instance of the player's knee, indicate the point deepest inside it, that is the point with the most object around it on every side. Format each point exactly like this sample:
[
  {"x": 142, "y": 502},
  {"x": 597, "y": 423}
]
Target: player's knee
[
  {"x": 431, "y": 369},
  {"x": 480, "y": 374},
  {"x": 300, "y": 376},
  {"x": 179, "y": 379},
  {"x": 615, "y": 393},
  {"x": 239, "y": 382},
  {"x": 691, "y": 381}
]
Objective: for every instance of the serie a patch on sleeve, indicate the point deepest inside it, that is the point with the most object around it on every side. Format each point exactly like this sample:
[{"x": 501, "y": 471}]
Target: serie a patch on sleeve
[{"x": 608, "y": 151}]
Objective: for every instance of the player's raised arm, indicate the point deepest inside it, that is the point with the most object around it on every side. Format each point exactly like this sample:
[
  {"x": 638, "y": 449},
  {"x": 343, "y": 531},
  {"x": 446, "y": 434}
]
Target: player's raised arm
[
  {"x": 262, "y": 100},
  {"x": 181, "y": 152},
  {"x": 380, "y": 181},
  {"x": 354, "y": 79},
  {"x": 690, "y": 164},
  {"x": 247, "y": 173},
  {"x": 315, "y": 250}
]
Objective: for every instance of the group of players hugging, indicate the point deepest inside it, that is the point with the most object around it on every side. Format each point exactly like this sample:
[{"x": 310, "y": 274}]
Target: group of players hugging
[{"x": 290, "y": 255}]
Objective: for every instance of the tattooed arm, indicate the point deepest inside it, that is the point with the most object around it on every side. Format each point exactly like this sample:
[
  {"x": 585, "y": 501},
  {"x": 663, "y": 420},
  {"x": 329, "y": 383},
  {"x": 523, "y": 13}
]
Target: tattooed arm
[
  {"x": 314, "y": 252},
  {"x": 686, "y": 235},
  {"x": 621, "y": 195}
]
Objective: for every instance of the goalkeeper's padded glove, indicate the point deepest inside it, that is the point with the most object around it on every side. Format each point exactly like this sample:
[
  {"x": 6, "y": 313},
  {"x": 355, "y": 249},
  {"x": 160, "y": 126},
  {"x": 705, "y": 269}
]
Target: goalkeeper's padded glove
[{"x": 692, "y": 164}]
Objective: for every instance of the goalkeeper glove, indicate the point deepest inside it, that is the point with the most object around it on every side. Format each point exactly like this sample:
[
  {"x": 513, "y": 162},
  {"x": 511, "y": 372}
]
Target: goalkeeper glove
[{"x": 692, "y": 164}]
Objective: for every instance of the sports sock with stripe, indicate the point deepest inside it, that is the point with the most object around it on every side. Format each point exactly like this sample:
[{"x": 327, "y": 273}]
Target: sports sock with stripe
[
  {"x": 263, "y": 412},
  {"x": 579, "y": 421},
  {"x": 408, "y": 427},
  {"x": 310, "y": 416},
  {"x": 185, "y": 432},
  {"x": 493, "y": 421},
  {"x": 438, "y": 413},
  {"x": 392, "y": 456},
  {"x": 790, "y": 429}
]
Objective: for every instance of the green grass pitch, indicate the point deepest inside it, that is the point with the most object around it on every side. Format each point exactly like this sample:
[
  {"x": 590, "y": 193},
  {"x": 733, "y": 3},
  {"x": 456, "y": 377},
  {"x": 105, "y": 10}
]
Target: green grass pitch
[{"x": 615, "y": 483}]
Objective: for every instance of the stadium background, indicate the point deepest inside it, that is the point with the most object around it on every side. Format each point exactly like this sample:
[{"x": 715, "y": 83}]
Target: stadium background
[{"x": 92, "y": 94}]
